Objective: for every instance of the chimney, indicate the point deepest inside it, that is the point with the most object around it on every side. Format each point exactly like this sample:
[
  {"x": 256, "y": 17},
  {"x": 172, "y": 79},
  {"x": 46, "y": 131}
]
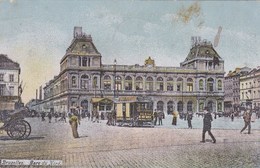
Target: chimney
[
  {"x": 77, "y": 31},
  {"x": 40, "y": 93},
  {"x": 36, "y": 94}
]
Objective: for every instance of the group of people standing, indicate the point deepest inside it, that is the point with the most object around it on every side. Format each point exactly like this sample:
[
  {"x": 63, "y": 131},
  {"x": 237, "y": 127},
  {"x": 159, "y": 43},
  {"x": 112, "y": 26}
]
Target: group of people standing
[{"x": 158, "y": 116}]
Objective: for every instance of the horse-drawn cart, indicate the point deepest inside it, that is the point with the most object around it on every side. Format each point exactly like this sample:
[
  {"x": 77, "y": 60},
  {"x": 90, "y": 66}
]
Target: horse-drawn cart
[{"x": 12, "y": 117}]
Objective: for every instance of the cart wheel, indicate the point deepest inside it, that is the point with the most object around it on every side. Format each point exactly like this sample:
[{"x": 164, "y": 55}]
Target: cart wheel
[
  {"x": 27, "y": 130},
  {"x": 16, "y": 130}
]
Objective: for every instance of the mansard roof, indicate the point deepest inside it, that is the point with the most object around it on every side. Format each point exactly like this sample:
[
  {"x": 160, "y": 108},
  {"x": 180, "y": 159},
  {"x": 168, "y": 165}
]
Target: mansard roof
[
  {"x": 202, "y": 50},
  {"x": 7, "y": 63},
  {"x": 82, "y": 45}
]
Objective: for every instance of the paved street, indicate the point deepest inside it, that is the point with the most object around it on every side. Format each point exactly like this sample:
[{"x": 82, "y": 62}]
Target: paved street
[{"x": 100, "y": 145}]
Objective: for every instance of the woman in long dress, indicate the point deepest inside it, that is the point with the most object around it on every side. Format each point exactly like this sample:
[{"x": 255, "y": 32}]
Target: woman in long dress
[{"x": 74, "y": 121}]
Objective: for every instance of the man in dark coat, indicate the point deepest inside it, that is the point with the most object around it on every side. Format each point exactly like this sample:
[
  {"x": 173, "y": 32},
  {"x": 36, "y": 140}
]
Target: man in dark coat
[
  {"x": 247, "y": 119},
  {"x": 189, "y": 118},
  {"x": 207, "y": 126}
]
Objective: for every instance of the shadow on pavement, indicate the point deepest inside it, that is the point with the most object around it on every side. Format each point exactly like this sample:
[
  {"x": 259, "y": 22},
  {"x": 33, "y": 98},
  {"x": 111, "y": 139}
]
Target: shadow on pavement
[
  {"x": 7, "y": 138},
  {"x": 85, "y": 136}
]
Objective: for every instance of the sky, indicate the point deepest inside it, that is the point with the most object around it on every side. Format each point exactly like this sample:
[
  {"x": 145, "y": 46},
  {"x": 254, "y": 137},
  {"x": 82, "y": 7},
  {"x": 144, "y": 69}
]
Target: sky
[{"x": 36, "y": 34}]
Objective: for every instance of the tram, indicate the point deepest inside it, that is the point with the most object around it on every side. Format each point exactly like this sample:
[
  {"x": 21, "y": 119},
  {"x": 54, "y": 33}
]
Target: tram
[{"x": 134, "y": 111}]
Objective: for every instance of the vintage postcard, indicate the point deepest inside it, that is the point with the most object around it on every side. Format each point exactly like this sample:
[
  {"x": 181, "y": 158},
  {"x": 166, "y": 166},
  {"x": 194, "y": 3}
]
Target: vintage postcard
[{"x": 126, "y": 84}]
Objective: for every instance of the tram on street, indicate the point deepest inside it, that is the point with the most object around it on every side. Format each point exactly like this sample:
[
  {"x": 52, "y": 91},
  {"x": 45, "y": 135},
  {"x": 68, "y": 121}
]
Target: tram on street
[{"x": 134, "y": 111}]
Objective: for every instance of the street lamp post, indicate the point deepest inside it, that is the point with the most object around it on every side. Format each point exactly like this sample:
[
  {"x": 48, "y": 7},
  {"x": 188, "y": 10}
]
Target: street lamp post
[{"x": 115, "y": 62}]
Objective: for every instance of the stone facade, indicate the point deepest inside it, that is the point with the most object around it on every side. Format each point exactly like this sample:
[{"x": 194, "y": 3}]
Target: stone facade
[
  {"x": 250, "y": 87},
  {"x": 9, "y": 82},
  {"x": 198, "y": 82}
]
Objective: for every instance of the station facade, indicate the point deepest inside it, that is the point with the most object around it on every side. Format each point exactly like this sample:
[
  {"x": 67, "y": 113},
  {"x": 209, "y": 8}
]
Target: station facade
[{"x": 83, "y": 78}]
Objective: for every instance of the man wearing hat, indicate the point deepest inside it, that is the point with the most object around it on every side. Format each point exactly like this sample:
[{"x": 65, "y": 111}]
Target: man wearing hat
[{"x": 207, "y": 125}]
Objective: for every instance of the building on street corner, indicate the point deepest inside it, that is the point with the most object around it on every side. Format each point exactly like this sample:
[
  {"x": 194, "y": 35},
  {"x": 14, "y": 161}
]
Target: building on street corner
[
  {"x": 10, "y": 89},
  {"x": 84, "y": 79}
]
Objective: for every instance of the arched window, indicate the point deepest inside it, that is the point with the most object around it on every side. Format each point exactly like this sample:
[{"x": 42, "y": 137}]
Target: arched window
[
  {"x": 107, "y": 82},
  {"x": 170, "y": 107},
  {"x": 189, "y": 85},
  {"x": 201, "y": 84},
  {"x": 74, "y": 81},
  {"x": 84, "y": 105},
  {"x": 170, "y": 84},
  {"x": 210, "y": 106},
  {"x": 160, "y": 106},
  {"x": 159, "y": 86},
  {"x": 189, "y": 106},
  {"x": 180, "y": 106},
  {"x": 84, "y": 82},
  {"x": 179, "y": 84},
  {"x": 128, "y": 83},
  {"x": 149, "y": 84},
  {"x": 118, "y": 83},
  {"x": 210, "y": 85},
  {"x": 139, "y": 83},
  {"x": 219, "y": 85}
]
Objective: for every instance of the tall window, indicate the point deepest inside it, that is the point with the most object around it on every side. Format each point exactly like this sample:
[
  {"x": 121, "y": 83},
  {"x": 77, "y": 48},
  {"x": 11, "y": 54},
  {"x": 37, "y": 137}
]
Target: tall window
[
  {"x": 201, "y": 84},
  {"x": 128, "y": 83},
  {"x": 149, "y": 84},
  {"x": 180, "y": 106},
  {"x": 2, "y": 89},
  {"x": 210, "y": 85},
  {"x": 160, "y": 84},
  {"x": 73, "y": 81},
  {"x": 189, "y": 85},
  {"x": 1, "y": 77},
  {"x": 201, "y": 105},
  {"x": 219, "y": 106},
  {"x": 219, "y": 85},
  {"x": 84, "y": 82},
  {"x": 139, "y": 83},
  {"x": 179, "y": 84},
  {"x": 11, "y": 78},
  {"x": 107, "y": 82},
  {"x": 170, "y": 107},
  {"x": 170, "y": 84},
  {"x": 189, "y": 106},
  {"x": 210, "y": 106},
  {"x": 160, "y": 106},
  {"x": 85, "y": 61},
  {"x": 94, "y": 85},
  {"x": 118, "y": 83}
]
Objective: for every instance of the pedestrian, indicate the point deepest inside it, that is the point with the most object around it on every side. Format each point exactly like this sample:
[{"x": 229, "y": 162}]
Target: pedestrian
[
  {"x": 74, "y": 122},
  {"x": 160, "y": 117},
  {"x": 155, "y": 115},
  {"x": 247, "y": 120},
  {"x": 189, "y": 118},
  {"x": 56, "y": 116},
  {"x": 49, "y": 117},
  {"x": 232, "y": 116},
  {"x": 97, "y": 116},
  {"x": 207, "y": 125},
  {"x": 43, "y": 116},
  {"x": 174, "y": 117},
  {"x": 88, "y": 115},
  {"x": 114, "y": 117}
]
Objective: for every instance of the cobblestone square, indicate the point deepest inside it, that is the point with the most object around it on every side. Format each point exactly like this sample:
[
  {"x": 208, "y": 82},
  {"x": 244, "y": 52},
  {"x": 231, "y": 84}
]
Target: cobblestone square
[{"x": 100, "y": 145}]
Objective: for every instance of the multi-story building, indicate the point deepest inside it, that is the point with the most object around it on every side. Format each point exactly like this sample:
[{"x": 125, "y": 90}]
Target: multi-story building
[
  {"x": 232, "y": 89},
  {"x": 9, "y": 82},
  {"x": 250, "y": 87},
  {"x": 84, "y": 79}
]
